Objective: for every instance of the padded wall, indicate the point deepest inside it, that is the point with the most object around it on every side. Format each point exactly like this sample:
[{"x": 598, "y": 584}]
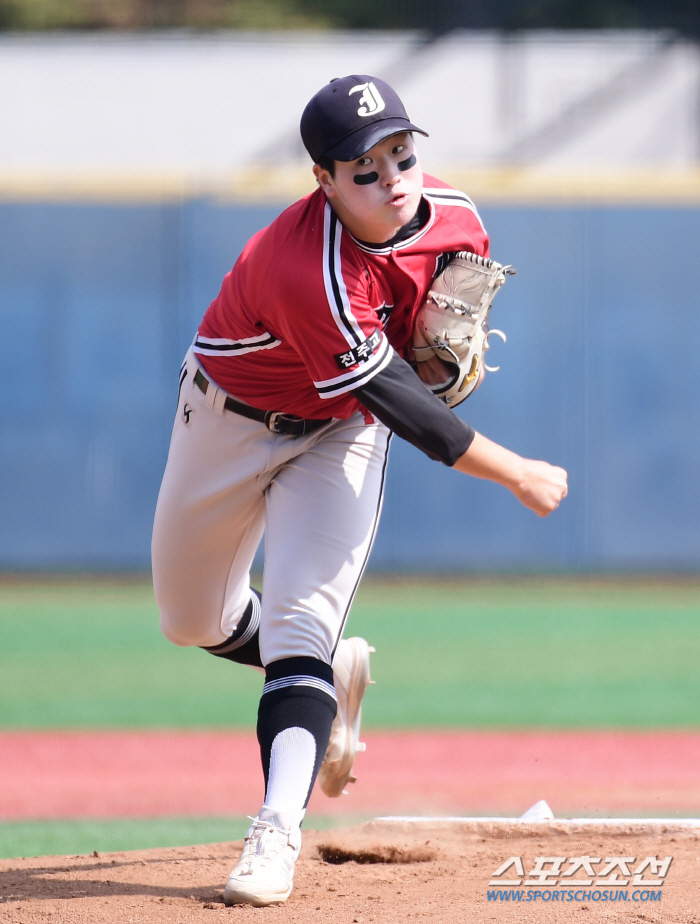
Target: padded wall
[{"x": 99, "y": 302}]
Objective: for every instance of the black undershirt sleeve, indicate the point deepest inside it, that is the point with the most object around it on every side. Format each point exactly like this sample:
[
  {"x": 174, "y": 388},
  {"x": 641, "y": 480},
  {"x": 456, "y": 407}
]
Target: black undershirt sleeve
[{"x": 398, "y": 398}]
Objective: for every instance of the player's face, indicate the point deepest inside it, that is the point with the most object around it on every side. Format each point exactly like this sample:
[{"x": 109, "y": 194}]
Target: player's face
[{"x": 379, "y": 192}]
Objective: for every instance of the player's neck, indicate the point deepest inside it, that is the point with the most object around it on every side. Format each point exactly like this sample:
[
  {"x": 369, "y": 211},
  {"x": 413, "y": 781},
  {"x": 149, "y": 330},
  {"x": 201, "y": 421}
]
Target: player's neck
[
  {"x": 411, "y": 227},
  {"x": 362, "y": 229}
]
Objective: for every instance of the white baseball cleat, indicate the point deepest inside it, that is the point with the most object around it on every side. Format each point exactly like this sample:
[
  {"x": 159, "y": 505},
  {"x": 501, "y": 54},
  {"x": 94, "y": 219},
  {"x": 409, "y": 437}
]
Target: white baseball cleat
[
  {"x": 265, "y": 872},
  {"x": 351, "y": 677}
]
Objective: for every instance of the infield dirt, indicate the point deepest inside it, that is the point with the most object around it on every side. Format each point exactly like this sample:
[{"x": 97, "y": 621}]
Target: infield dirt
[{"x": 387, "y": 875}]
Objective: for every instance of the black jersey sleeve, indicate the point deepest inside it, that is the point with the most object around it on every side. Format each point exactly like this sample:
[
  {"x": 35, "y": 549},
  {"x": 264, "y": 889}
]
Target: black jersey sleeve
[{"x": 398, "y": 398}]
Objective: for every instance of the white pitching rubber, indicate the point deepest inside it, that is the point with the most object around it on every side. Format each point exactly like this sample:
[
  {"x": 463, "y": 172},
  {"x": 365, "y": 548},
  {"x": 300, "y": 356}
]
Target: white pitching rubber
[{"x": 540, "y": 811}]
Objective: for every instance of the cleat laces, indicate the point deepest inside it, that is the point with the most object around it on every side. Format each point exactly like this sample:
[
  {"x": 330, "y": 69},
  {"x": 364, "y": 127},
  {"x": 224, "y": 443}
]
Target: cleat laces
[{"x": 263, "y": 842}]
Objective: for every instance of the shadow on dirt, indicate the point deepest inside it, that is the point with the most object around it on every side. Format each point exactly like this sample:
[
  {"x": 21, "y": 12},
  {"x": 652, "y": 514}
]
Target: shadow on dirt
[{"x": 69, "y": 881}]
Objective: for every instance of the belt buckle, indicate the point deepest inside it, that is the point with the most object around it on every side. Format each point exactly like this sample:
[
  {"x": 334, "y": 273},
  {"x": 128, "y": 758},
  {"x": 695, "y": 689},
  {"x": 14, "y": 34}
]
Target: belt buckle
[
  {"x": 271, "y": 421},
  {"x": 276, "y": 419}
]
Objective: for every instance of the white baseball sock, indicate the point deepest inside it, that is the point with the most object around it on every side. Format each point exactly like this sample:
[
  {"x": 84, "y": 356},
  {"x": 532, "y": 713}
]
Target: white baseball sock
[{"x": 292, "y": 761}]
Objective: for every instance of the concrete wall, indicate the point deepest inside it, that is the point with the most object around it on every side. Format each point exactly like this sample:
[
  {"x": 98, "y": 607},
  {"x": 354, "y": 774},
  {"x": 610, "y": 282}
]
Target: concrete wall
[
  {"x": 99, "y": 302},
  {"x": 197, "y": 108}
]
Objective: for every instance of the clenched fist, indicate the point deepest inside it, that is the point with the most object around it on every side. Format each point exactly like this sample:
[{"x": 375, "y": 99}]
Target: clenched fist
[{"x": 538, "y": 485}]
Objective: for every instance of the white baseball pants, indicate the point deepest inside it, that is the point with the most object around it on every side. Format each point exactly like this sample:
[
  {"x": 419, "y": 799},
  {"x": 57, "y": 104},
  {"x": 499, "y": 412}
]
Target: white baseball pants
[{"x": 316, "y": 497}]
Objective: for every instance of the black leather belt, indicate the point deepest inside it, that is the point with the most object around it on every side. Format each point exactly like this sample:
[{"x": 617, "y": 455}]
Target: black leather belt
[{"x": 275, "y": 421}]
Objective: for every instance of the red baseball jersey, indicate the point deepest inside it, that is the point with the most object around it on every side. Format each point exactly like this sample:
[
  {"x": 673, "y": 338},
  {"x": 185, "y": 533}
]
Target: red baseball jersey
[{"x": 309, "y": 313}]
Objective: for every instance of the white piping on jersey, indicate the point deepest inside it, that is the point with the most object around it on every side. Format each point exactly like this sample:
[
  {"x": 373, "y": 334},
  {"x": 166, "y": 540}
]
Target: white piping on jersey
[
  {"x": 407, "y": 243},
  {"x": 220, "y": 346},
  {"x": 336, "y": 292},
  {"x": 444, "y": 196},
  {"x": 354, "y": 378},
  {"x": 300, "y": 680}
]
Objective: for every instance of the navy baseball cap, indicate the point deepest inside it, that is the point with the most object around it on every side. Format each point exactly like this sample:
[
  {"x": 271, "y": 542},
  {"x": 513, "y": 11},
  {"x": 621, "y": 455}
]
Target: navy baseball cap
[{"x": 350, "y": 115}]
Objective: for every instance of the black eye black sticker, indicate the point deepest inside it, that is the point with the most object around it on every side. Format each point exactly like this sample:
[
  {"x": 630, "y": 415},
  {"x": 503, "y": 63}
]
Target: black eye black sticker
[
  {"x": 364, "y": 179},
  {"x": 408, "y": 163}
]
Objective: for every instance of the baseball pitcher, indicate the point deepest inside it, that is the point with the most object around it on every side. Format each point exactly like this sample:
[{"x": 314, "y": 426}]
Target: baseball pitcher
[{"x": 360, "y": 312}]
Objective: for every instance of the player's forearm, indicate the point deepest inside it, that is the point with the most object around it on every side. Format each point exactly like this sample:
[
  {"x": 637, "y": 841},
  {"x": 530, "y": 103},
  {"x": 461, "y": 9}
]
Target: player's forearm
[
  {"x": 489, "y": 460},
  {"x": 538, "y": 485}
]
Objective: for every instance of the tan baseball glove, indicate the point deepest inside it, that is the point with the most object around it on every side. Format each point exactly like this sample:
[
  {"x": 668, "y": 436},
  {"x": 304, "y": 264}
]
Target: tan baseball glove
[{"x": 451, "y": 333}]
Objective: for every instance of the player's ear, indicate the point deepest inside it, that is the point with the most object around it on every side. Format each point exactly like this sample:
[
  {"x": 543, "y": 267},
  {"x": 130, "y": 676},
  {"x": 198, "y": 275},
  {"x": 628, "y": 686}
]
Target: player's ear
[{"x": 324, "y": 180}]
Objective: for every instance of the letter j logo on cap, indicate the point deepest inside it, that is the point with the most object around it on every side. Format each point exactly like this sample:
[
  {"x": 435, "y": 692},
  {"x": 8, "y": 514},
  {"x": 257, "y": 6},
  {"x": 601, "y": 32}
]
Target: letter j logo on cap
[{"x": 371, "y": 101}]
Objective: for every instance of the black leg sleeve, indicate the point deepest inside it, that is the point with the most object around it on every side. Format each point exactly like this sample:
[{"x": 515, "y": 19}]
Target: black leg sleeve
[{"x": 244, "y": 645}]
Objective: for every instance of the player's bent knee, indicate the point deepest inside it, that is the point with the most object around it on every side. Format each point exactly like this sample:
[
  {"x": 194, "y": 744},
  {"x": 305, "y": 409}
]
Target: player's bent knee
[{"x": 185, "y": 636}]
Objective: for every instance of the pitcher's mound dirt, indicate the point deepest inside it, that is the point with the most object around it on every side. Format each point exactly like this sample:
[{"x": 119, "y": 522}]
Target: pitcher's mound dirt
[{"x": 369, "y": 873}]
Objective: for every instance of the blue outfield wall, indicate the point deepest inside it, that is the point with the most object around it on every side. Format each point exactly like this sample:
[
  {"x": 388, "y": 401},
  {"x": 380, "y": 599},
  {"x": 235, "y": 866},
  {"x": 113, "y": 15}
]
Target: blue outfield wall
[{"x": 600, "y": 374}]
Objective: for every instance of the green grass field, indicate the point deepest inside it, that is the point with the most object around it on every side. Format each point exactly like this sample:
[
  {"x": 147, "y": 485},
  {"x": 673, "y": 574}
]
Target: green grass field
[
  {"x": 501, "y": 654},
  {"x": 84, "y": 836}
]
